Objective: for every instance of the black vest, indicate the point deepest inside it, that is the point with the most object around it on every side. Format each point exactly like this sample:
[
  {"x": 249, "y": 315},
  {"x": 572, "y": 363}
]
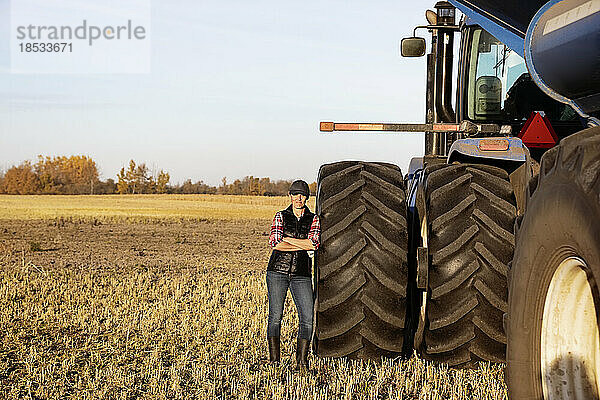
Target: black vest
[{"x": 293, "y": 262}]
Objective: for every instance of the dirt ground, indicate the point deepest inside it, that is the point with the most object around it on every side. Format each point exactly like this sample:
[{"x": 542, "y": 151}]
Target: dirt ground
[
  {"x": 114, "y": 246},
  {"x": 172, "y": 310}
]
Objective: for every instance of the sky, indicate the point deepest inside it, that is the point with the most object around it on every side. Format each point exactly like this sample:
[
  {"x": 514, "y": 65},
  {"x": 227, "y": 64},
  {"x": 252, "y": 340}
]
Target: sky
[{"x": 235, "y": 88}]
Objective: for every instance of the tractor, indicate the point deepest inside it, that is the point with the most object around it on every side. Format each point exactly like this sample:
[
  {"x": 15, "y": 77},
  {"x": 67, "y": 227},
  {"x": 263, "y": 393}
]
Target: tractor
[{"x": 488, "y": 248}]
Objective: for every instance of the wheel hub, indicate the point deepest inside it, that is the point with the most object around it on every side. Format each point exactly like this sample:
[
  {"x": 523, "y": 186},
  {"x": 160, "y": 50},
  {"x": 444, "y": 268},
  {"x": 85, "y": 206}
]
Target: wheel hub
[{"x": 570, "y": 345}]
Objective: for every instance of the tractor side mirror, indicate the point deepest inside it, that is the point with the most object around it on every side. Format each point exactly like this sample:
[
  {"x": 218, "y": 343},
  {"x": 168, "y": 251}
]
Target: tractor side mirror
[{"x": 412, "y": 47}]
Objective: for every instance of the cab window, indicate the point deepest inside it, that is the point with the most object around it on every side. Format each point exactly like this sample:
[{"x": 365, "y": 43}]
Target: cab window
[{"x": 499, "y": 87}]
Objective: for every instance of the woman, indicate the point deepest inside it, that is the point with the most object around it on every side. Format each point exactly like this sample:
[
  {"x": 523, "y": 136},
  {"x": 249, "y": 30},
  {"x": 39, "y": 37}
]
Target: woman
[{"x": 294, "y": 232}]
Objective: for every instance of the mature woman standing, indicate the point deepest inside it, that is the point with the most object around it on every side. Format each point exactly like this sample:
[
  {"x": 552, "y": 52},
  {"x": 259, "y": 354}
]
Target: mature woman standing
[{"x": 294, "y": 232}]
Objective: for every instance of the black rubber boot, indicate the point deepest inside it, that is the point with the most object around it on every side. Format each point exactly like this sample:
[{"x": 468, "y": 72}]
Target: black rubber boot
[
  {"x": 302, "y": 354},
  {"x": 274, "y": 349}
]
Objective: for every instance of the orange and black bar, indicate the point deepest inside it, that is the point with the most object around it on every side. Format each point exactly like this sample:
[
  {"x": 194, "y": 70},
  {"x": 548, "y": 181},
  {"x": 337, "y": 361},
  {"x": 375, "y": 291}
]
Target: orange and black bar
[{"x": 334, "y": 126}]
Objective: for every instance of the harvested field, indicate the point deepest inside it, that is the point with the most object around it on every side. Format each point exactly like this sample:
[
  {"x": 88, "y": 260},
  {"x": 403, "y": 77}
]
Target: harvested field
[
  {"x": 106, "y": 304},
  {"x": 141, "y": 207}
]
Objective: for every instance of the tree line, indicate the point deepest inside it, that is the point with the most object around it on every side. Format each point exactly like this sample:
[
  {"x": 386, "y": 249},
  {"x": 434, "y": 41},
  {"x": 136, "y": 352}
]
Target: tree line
[{"x": 79, "y": 175}]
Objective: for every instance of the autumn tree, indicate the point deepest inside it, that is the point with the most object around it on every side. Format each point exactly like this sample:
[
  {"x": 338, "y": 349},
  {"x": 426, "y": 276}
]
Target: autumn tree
[
  {"x": 223, "y": 188},
  {"x": 251, "y": 185},
  {"x": 79, "y": 175},
  {"x": 20, "y": 179},
  {"x": 143, "y": 182},
  {"x": 162, "y": 180},
  {"x": 130, "y": 174},
  {"x": 107, "y": 187},
  {"x": 187, "y": 187},
  {"x": 122, "y": 182},
  {"x": 132, "y": 180},
  {"x": 49, "y": 173},
  {"x": 74, "y": 174},
  {"x": 254, "y": 187},
  {"x": 138, "y": 179},
  {"x": 264, "y": 185}
]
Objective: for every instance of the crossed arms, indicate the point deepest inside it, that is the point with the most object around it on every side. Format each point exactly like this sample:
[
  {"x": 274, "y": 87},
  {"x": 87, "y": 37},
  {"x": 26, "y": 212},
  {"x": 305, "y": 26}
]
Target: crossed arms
[
  {"x": 281, "y": 243},
  {"x": 292, "y": 244}
]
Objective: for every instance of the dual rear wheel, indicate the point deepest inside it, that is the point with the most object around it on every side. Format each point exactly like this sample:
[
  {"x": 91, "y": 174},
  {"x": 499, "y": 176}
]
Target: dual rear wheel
[
  {"x": 365, "y": 294},
  {"x": 365, "y": 301}
]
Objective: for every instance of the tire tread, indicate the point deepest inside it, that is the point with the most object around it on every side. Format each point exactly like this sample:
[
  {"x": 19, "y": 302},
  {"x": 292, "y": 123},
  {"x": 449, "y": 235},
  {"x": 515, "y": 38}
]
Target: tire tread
[
  {"x": 364, "y": 237},
  {"x": 471, "y": 212}
]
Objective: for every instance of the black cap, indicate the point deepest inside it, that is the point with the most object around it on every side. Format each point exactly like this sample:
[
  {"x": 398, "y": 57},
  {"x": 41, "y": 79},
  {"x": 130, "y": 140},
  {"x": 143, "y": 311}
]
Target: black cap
[{"x": 301, "y": 187}]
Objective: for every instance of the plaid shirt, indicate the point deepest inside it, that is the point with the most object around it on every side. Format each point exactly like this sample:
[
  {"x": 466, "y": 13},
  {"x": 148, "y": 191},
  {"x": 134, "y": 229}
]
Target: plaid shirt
[{"x": 276, "y": 237}]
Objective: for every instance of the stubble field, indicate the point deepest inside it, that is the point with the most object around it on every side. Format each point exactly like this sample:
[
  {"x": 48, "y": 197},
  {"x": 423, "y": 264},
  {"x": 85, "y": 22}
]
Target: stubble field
[{"x": 160, "y": 297}]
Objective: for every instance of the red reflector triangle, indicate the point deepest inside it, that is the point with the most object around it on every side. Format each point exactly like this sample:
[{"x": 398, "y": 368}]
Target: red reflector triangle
[{"x": 538, "y": 132}]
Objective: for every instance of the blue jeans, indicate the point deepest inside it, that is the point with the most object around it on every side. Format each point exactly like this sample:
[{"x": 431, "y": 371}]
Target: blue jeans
[{"x": 302, "y": 293}]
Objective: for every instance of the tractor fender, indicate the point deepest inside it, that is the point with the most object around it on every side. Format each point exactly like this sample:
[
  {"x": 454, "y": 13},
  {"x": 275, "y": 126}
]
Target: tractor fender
[{"x": 470, "y": 147}]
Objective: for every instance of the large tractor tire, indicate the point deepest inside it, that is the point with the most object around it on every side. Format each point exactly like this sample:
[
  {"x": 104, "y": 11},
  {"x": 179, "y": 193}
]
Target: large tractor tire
[
  {"x": 470, "y": 216},
  {"x": 554, "y": 306},
  {"x": 361, "y": 266}
]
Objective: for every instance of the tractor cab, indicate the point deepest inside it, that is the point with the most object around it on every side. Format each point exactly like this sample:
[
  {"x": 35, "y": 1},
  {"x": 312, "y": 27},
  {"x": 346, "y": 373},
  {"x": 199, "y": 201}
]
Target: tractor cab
[{"x": 494, "y": 86}]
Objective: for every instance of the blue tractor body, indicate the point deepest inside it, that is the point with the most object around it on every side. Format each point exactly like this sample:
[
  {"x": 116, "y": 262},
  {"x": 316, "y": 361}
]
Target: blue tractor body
[{"x": 528, "y": 77}]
